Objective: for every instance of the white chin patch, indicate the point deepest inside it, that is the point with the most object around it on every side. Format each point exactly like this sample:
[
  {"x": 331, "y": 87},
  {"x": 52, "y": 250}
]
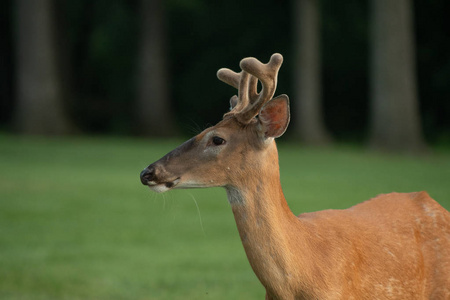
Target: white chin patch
[
  {"x": 163, "y": 187},
  {"x": 160, "y": 188}
]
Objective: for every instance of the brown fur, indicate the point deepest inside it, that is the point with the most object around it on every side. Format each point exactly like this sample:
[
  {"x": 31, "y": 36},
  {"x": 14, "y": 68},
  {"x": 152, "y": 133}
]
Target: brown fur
[{"x": 395, "y": 246}]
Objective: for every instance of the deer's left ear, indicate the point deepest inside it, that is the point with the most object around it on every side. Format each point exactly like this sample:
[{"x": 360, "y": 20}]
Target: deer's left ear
[{"x": 274, "y": 116}]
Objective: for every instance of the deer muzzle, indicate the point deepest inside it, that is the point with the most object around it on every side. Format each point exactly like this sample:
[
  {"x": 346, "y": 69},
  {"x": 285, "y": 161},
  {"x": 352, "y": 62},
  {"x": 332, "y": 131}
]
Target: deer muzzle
[
  {"x": 165, "y": 173},
  {"x": 154, "y": 178}
]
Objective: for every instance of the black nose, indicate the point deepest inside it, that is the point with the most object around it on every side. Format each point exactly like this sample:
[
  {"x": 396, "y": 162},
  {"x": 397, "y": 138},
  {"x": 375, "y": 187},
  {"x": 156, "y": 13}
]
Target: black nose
[{"x": 147, "y": 175}]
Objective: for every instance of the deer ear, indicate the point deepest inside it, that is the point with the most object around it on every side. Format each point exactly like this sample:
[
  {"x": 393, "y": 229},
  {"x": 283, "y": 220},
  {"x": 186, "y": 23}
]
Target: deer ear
[{"x": 274, "y": 116}]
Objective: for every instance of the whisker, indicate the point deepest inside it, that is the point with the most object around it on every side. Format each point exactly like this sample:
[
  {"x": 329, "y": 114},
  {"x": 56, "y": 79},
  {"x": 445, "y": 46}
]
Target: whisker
[
  {"x": 199, "y": 214},
  {"x": 193, "y": 127},
  {"x": 164, "y": 201},
  {"x": 153, "y": 197}
]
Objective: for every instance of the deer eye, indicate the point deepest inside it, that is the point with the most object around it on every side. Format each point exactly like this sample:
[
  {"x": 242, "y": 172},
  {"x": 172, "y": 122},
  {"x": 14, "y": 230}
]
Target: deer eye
[{"x": 218, "y": 141}]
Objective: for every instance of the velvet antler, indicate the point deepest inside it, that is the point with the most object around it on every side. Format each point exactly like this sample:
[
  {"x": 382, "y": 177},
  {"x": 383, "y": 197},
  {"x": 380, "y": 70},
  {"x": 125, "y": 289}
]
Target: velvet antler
[{"x": 250, "y": 101}]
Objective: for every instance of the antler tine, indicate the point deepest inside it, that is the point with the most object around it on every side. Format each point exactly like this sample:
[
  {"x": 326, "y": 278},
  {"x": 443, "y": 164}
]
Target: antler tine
[
  {"x": 229, "y": 77},
  {"x": 267, "y": 74},
  {"x": 240, "y": 81},
  {"x": 252, "y": 89},
  {"x": 243, "y": 90}
]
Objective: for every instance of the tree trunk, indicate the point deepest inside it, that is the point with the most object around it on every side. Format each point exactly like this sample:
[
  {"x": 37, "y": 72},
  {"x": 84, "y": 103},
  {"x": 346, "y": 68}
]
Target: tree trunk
[
  {"x": 309, "y": 125},
  {"x": 154, "y": 114},
  {"x": 40, "y": 93},
  {"x": 395, "y": 120}
]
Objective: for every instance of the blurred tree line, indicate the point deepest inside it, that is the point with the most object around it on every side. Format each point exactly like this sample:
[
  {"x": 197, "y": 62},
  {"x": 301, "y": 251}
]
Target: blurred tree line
[{"x": 148, "y": 66}]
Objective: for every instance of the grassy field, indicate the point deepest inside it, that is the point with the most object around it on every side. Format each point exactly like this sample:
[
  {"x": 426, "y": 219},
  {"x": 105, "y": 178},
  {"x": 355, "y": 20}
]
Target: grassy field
[{"x": 76, "y": 223}]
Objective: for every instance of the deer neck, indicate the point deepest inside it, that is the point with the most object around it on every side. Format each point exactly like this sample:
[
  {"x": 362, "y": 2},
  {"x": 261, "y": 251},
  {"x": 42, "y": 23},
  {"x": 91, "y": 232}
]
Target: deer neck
[{"x": 267, "y": 227}]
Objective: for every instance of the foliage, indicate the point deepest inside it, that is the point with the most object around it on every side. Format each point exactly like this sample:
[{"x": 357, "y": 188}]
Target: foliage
[
  {"x": 102, "y": 38},
  {"x": 75, "y": 222}
]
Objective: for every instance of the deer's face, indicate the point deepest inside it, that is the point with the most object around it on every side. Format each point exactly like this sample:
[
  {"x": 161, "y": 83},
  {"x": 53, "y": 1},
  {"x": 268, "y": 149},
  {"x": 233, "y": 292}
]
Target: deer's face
[
  {"x": 225, "y": 154},
  {"x": 216, "y": 157}
]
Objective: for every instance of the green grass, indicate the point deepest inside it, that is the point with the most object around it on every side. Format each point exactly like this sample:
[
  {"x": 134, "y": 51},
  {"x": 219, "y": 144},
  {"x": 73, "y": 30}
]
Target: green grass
[{"x": 75, "y": 222}]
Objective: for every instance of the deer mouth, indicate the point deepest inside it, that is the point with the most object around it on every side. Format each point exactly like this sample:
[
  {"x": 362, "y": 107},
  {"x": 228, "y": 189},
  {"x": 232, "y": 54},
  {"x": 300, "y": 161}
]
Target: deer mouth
[{"x": 161, "y": 187}]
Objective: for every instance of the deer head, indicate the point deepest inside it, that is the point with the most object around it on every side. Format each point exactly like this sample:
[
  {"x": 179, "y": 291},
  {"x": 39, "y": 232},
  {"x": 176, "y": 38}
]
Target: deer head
[{"x": 222, "y": 155}]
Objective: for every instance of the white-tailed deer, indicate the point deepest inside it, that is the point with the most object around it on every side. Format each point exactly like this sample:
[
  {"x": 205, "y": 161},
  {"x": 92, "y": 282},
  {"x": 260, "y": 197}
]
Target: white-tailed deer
[{"x": 394, "y": 246}]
